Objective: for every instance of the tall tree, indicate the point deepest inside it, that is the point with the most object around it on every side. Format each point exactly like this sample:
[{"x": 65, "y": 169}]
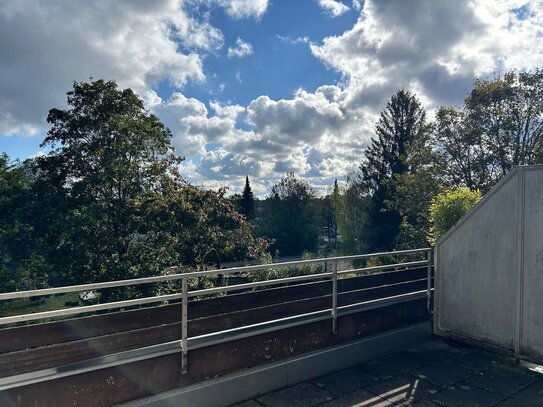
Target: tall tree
[
  {"x": 291, "y": 219},
  {"x": 402, "y": 124},
  {"x": 247, "y": 203},
  {"x": 107, "y": 152},
  {"x": 500, "y": 126}
]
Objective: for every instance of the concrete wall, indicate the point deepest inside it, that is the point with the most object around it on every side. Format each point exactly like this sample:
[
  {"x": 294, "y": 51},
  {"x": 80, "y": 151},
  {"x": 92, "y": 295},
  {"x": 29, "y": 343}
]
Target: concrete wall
[{"x": 489, "y": 268}]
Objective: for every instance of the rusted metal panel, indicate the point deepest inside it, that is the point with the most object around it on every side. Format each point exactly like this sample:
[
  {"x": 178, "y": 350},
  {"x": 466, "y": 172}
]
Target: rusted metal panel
[
  {"x": 32, "y": 336},
  {"x": 73, "y": 351},
  {"x": 128, "y": 382}
]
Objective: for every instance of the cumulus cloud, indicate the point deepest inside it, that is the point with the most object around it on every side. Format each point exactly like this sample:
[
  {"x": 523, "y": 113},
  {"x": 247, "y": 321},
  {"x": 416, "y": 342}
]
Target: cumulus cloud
[
  {"x": 438, "y": 47},
  {"x": 240, "y": 49},
  {"x": 65, "y": 40},
  {"x": 435, "y": 48},
  {"x": 244, "y": 8},
  {"x": 333, "y": 7},
  {"x": 48, "y": 44}
]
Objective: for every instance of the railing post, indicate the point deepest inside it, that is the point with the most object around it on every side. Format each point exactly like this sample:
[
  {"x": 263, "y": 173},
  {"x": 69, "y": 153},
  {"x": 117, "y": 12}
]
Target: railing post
[
  {"x": 429, "y": 293},
  {"x": 334, "y": 298},
  {"x": 184, "y": 324}
]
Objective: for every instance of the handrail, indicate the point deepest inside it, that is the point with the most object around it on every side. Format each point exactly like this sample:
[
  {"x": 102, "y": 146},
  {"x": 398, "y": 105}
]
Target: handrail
[
  {"x": 179, "y": 276},
  {"x": 186, "y": 343}
]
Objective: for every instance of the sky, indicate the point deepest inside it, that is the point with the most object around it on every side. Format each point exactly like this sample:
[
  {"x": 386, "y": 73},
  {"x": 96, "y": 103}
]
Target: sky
[{"x": 257, "y": 88}]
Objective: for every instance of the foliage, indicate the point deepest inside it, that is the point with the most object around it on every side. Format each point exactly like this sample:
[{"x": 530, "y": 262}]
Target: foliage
[
  {"x": 448, "y": 207},
  {"x": 500, "y": 126},
  {"x": 351, "y": 212},
  {"x": 402, "y": 127},
  {"x": 284, "y": 272},
  {"x": 291, "y": 219},
  {"x": 107, "y": 202},
  {"x": 247, "y": 202}
]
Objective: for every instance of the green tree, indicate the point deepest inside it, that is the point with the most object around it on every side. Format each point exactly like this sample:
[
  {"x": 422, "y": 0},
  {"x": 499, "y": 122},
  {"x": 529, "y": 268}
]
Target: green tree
[
  {"x": 192, "y": 227},
  {"x": 351, "y": 208},
  {"x": 291, "y": 219},
  {"x": 401, "y": 127},
  {"x": 448, "y": 207},
  {"x": 247, "y": 202},
  {"x": 500, "y": 126},
  {"x": 107, "y": 151}
]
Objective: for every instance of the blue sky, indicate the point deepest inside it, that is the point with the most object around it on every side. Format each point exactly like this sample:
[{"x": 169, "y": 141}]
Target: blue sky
[{"x": 257, "y": 87}]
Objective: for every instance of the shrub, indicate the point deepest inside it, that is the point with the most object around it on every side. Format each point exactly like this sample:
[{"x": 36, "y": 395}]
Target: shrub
[{"x": 448, "y": 207}]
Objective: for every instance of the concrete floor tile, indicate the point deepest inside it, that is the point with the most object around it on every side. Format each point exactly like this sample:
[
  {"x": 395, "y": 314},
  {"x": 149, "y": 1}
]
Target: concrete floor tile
[
  {"x": 248, "y": 403},
  {"x": 443, "y": 373},
  {"x": 463, "y": 396},
  {"x": 301, "y": 395},
  {"x": 477, "y": 360},
  {"x": 531, "y": 396},
  {"x": 360, "y": 398},
  {"x": 404, "y": 390},
  {"x": 345, "y": 381},
  {"x": 501, "y": 381}
]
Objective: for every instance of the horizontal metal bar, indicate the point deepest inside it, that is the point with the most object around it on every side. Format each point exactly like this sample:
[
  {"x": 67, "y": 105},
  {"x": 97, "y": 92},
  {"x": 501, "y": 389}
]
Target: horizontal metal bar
[
  {"x": 264, "y": 283},
  {"x": 178, "y": 276},
  {"x": 196, "y": 342},
  {"x": 384, "y": 267},
  {"x": 301, "y": 263},
  {"x": 215, "y": 338},
  {"x": 88, "y": 308},
  {"x": 246, "y": 331},
  {"x": 88, "y": 287},
  {"x": 380, "y": 302},
  {"x": 89, "y": 365}
]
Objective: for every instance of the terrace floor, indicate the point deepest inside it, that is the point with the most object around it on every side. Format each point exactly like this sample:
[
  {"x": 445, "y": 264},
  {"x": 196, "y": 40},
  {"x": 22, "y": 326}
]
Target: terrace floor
[{"x": 437, "y": 373}]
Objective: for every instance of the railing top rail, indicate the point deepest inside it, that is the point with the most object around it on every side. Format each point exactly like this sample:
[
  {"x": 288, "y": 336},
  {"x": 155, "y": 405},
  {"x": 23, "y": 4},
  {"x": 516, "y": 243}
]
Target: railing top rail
[{"x": 178, "y": 276}]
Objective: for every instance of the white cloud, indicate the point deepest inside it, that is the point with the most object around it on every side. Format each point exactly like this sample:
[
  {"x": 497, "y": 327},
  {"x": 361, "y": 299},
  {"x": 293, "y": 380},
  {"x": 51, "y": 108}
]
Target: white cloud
[
  {"x": 438, "y": 47},
  {"x": 47, "y": 45},
  {"x": 333, "y": 7},
  {"x": 293, "y": 41},
  {"x": 244, "y": 8},
  {"x": 240, "y": 50},
  {"x": 435, "y": 48}
]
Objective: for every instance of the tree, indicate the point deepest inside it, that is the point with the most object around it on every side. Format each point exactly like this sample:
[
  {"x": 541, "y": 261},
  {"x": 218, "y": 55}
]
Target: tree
[
  {"x": 190, "y": 226},
  {"x": 500, "y": 126},
  {"x": 448, "y": 207},
  {"x": 351, "y": 208},
  {"x": 107, "y": 202},
  {"x": 291, "y": 219},
  {"x": 247, "y": 202},
  {"x": 107, "y": 151},
  {"x": 401, "y": 127}
]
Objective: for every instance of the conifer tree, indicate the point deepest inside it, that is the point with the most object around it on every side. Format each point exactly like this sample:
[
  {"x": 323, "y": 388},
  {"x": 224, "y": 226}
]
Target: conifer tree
[{"x": 248, "y": 201}]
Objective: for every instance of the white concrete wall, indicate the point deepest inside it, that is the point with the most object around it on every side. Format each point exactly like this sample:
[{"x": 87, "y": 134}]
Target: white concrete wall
[{"x": 489, "y": 268}]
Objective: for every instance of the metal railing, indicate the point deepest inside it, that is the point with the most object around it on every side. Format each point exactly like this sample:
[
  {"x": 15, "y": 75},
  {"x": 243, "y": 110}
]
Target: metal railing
[{"x": 185, "y": 343}]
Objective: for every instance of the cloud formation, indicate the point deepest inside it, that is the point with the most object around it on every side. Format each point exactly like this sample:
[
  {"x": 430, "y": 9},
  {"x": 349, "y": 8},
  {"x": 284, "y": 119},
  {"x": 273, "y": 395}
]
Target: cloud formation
[
  {"x": 435, "y": 48},
  {"x": 240, "y": 50},
  {"x": 333, "y": 7}
]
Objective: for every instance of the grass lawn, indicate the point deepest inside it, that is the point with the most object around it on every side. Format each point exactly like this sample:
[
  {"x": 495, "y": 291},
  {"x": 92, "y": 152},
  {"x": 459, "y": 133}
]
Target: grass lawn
[{"x": 26, "y": 306}]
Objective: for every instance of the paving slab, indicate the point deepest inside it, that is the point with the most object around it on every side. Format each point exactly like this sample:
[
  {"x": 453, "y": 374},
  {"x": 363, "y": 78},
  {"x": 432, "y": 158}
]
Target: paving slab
[
  {"x": 501, "y": 381},
  {"x": 443, "y": 373},
  {"x": 531, "y": 396},
  {"x": 464, "y": 395},
  {"x": 303, "y": 395},
  {"x": 346, "y": 381},
  {"x": 360, "y": 398},
  {"x": 477, "y": 360},
  {"x": 436, "y": 350},
  {"x": 248, "y": 403},
  {"x": 404, "y": 390}
]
